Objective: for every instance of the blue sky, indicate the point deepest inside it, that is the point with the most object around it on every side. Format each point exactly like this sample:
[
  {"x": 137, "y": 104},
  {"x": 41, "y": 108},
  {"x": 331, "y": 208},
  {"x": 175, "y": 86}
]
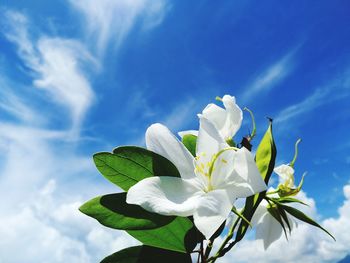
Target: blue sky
[{"x": 79, "y": 77}]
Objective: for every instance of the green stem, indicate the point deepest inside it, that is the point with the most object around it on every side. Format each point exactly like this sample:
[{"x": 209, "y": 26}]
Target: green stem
[
  {"x": 201, "y": 254},
  {"x": 295, "y": 153},
  {"x": 252, "y": 135},
  {"x": 273, "y": 192},
  {"x": 227, "y": 239},
  {"x": 218, "y": 98},
  {"x": 208, "y": 248}
]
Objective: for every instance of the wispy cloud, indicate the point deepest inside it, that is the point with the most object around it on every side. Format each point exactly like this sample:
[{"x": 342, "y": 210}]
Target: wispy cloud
[
  {"x": 57, "y": 66},
  {"x": 183, "y": 114},
  {"x": 336, "y": 89},
  {"x": 41, "y": 166},
  {"x": 111, "y": 21},
  {"x": 15, "y": 106},
  {"x": 270, "y": 76},
  {"x": 62, "y": 77},
  {"x": 309, "y": 103},
  {"x": 37, "y": 162}
]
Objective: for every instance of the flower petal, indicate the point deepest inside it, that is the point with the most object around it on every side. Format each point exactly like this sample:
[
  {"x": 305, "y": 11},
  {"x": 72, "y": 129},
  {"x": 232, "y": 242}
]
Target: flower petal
[
  {"x": 209, "y": 140},
  {"x": 165, "y": 195},
  {"x": 259, "y": 213},
  {"x": 160, "y": 140},
  {"x": 223, "y": 169},
  {"x": 215, "y": 114},
  {"x": 246, "y": 180},
  {"x": 269, "y": 230},
  {"x": 189, "y": 132},
  {"x": 227, "y": 121},
  {"x": 285, "y": 173},
  {"x": 212, "y": 211},
  {"x": 233, "y": 119},
  {"x": 283, "y": 170}
]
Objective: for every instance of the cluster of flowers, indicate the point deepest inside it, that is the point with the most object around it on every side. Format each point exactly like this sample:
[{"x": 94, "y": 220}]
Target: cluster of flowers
[
  {"x": 211, "y": 181},
  {"x": 214, "y": 174}
]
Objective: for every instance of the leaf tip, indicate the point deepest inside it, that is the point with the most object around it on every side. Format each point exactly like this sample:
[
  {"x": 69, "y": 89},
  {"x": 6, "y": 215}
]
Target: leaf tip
[
  {"x": 270, "y": 119},
  {"x": 82, "y": 209}
]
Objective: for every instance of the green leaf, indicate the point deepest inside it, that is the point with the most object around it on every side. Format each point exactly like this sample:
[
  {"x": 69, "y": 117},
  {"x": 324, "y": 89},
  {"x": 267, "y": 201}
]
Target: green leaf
[
  {"x": 128, "y": 165},
  {"x": 265, "y": 161},
  {"x": 190, "y": 142},
  {"x": 283, "y": 200},
  {"x": 179, "y": 236},
  {"x": 301, "y": 216},
  {"x": 283, "y": 214},
  {"x": 266, "y": 155},
  {"x": 145, "y": 254},
  {"x": 274, "y": 212},
  {"x": 113, "y": 211}
]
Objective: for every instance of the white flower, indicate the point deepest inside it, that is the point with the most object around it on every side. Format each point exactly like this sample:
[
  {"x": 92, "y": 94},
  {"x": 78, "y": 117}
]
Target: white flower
[
  {"x": 209, "y": 183},
  {"x": 268, "y": 229},
  {"x": 286, "y": 175},
  {"x": 286, "y": 185},
  {"x": 227, "y": 121}
]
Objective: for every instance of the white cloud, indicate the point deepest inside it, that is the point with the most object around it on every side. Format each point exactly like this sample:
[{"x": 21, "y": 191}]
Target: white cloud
[
  {"x": 29, "y": 160},
  {"x": 16, "y": 31},
  {"x": 111, "y": 21},
  {"x": 309, "y": 103},
  {"x": 48, "y": 229},
  {"x": 181, "y": 115},
  {"x": 15, "y": 106},
  {"x": 26, "y": 231},
  {"x": 40, "y": 167},
  {"x": 336, "y": 89},
  {"x": 141, "y": 105},
  {"x": 57, "y": 66},
  {"x": 270, "y": 77},
  {"x": 41, "y": 214},
  {"x": 62, "y": 77},
  {"x": 340, "y": 227},
  {"x": 40, "y": 174}
]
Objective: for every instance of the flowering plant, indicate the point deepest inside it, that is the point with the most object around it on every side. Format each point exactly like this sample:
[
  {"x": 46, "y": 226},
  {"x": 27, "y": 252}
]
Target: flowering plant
[{"x": 179, "y": 195}]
